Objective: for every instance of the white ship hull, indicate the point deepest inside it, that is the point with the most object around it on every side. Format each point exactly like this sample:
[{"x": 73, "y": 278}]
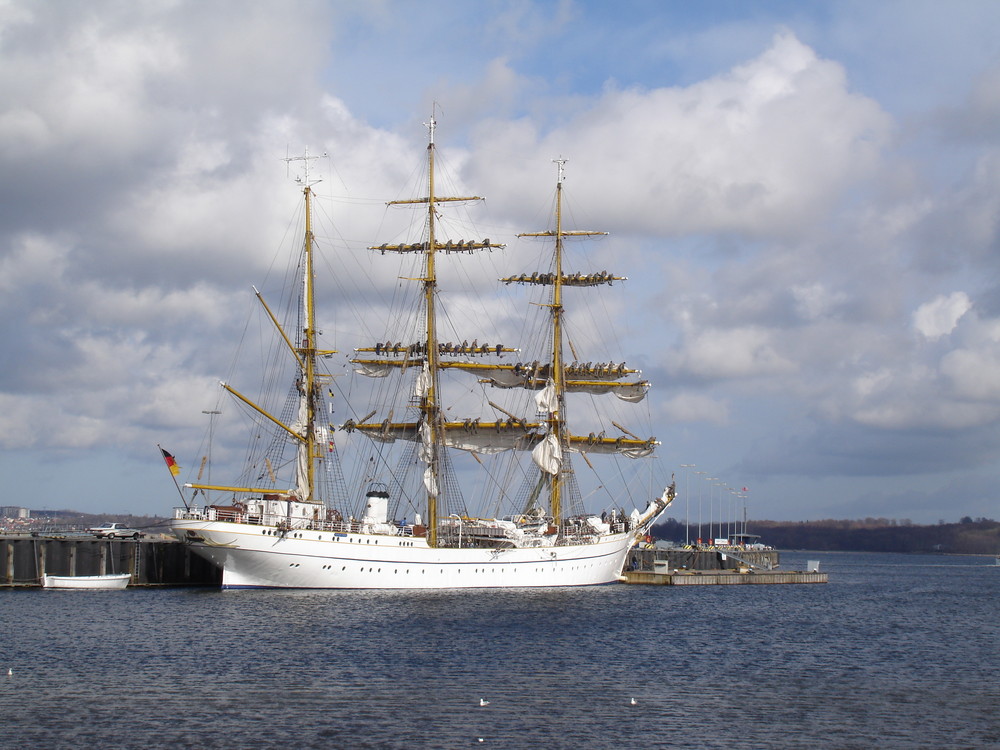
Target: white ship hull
[{"x": 261, "y": 557}]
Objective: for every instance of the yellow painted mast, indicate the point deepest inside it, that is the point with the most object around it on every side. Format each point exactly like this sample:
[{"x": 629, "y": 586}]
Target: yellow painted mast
[
  {"x": 308, "y": 352},
  {"x": 557, "y": 418},
  {"x": 429, "y": 405},
  {"x": 303, "y": 347},
  {"x": 557, "y": 425}
]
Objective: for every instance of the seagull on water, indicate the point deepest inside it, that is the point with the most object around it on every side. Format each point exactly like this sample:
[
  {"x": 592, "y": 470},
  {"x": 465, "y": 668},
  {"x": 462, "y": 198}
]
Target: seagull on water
[
  {"x": 10, "y": 672},
  {"x": 632, "y": 702},
  {"x": 483, "y": 702}
]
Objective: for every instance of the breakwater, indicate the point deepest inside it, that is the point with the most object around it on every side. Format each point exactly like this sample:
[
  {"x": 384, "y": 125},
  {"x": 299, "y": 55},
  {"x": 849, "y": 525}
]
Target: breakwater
[{"x": 25, "y": 559}]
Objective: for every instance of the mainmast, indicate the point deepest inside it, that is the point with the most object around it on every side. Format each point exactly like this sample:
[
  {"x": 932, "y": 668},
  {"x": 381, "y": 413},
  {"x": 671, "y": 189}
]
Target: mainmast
[
  {"x": 429, "y": 402},
  {"x": 432, "y": 429},
  {"x": 557, "y": 424}
]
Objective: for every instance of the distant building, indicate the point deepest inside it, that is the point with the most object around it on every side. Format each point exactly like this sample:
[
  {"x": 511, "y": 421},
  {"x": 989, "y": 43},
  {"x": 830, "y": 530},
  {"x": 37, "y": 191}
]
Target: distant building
[{"x": 12, "y": 511}]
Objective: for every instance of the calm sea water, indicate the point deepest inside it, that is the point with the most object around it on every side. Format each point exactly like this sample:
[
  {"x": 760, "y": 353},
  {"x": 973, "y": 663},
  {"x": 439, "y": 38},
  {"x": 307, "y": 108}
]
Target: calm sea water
[{"x": 897, "y": 651}]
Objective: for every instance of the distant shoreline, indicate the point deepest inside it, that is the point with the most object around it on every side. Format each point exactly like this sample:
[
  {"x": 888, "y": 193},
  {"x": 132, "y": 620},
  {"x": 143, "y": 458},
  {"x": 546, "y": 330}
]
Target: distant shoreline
[{"x": 967, "y": 537}]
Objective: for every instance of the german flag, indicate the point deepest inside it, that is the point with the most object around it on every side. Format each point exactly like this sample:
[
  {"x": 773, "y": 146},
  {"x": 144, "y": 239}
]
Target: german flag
[{"x": 171, "y": 463}]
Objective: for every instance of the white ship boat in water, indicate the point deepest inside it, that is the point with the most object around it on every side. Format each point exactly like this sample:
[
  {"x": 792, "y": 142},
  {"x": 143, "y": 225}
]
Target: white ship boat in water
[
  {"x": 304, "y": 532},
  {"x": 114, "y": 581}
]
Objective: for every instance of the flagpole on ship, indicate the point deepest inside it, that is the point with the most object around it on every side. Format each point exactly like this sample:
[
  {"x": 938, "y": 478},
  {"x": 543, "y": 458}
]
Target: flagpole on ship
[{"x": 172, "y": 465}]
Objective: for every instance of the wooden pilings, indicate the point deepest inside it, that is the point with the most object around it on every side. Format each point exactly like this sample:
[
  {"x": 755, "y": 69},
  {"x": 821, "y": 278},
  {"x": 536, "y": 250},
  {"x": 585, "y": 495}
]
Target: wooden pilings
[{"x": 151, "y": 562}]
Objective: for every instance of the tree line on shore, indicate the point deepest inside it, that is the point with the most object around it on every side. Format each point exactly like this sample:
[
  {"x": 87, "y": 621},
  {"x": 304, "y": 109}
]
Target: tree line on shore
[{"x": 980, "y": 536}]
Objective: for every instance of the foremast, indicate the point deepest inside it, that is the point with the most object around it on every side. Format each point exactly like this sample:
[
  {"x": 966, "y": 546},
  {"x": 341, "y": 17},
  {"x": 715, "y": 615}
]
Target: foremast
[{"x": 551, "y": 400}]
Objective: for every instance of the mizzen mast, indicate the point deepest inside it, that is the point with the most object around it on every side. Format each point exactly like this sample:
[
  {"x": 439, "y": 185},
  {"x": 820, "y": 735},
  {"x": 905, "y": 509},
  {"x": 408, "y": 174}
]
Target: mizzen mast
[
  {"x": 307, "y": 351},
  {"x": 303, "y": 347}
]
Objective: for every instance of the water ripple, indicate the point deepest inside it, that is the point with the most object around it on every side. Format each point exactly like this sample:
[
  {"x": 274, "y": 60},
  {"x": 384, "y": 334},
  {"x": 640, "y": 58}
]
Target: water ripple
[{"x": 895, "y": 652}]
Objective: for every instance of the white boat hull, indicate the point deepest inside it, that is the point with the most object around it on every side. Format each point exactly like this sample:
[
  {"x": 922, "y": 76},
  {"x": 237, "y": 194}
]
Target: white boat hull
[
  {"x": 118, "y": 581},
  {"x": 259, "y": 556}
]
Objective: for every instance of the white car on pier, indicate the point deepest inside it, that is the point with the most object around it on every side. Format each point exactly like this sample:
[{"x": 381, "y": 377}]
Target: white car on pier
[{"x": 115, "y": 530}]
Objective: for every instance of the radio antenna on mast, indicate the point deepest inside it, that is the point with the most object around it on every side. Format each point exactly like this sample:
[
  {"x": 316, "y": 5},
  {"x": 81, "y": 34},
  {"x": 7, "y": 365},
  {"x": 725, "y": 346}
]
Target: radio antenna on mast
[{"x": 305, "y": 159}]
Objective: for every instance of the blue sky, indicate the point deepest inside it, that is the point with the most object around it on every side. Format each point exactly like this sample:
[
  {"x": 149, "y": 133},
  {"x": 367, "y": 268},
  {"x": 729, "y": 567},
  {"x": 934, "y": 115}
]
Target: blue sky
[{"x": 803, "y": 194}]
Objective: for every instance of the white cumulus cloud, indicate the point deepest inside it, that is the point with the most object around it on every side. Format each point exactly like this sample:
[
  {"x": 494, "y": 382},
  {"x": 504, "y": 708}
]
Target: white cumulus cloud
[{"x": 939, "y": 317}]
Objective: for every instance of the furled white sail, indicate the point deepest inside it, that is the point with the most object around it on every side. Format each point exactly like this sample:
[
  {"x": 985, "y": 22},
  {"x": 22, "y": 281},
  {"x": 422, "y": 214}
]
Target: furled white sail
[
  {"x": 372, "y": 370},
  {"x": 547, "y": 455},
  {"x": 629, "y": 448},
  {"x": 423, "y": 385},
  {"x": 546, "y": 399},
  {"x": 631, "y": 392},
  {"x": 302, "y": 489},
  {"x": 426, "y": 453},
  {"x": 430, "y": 482},
  {"x": 471, "y": 435}
]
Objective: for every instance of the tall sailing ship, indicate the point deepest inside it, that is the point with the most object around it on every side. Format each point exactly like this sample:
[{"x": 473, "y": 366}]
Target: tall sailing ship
[{"x": 304, "y": 532}]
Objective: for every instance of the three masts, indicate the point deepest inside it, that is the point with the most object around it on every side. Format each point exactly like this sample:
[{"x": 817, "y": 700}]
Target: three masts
[{"x": 545, "y": 520}]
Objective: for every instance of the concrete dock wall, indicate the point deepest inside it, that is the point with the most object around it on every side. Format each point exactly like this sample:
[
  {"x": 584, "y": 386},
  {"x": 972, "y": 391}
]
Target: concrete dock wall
[
  {"x": 151, "y": 562},
  {"x": 724, "y": 578},
  {"x": 704, "y": 559}
]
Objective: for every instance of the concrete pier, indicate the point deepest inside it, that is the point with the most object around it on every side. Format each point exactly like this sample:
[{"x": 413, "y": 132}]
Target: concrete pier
[
  {"x": 713, "y": 566},
  {"x": 25, "y": 559},
  {"x": 704, "y": 559},
  {"x": 723, "y": 577}
]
